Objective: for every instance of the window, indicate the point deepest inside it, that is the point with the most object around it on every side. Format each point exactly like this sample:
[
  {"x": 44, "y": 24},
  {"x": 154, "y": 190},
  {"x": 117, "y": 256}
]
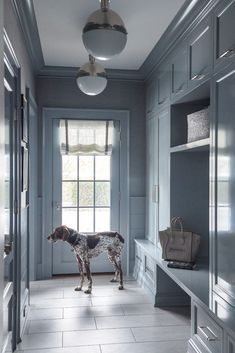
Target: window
[{"x": 86, "y": 192}]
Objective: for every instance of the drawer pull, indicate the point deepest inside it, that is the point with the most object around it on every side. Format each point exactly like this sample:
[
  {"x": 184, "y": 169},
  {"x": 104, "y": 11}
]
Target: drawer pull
[
  {"x": 138, "y": 258},
  {"x": 207, "y": 333},
  {"x": 147, "y": 269},
  {"x": 228, "y": 53}
]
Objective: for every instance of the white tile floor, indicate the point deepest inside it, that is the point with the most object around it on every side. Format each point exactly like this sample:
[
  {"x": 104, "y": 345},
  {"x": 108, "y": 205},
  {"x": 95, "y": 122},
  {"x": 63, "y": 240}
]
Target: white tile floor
[{"x": 107, "y": 321}]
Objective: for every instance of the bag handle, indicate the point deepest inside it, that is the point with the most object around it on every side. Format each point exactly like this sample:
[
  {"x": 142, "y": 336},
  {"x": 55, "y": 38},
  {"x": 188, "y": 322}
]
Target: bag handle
[{"x": 174, "y": 222}]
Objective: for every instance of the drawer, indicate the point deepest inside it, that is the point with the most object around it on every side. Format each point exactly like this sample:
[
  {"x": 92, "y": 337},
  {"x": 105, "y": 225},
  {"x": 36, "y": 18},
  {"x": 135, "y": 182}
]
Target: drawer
[
  {"x": 138, "y": 255},
  {"x": 206, "y": 330}
]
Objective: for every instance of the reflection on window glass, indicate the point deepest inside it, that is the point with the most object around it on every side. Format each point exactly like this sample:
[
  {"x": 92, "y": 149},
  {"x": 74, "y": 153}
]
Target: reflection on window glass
[
  {"x": 86, "y": 219},
  {"x": 69, "y": 194},
  {"x": 69, "y": 217},
  {"x": 69, "y": 168},
  {"x": 102, "y": 219},
  {"x": 86, "y": 194},
  {"x": 102, "y": 194},
  {"x": 102, "y": 168},
  {"x": 86, "y": 168}
]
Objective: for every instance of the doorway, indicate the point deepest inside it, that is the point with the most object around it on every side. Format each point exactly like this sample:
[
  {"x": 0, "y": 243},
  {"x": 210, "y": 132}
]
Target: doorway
[{"x": 86, "y": 185}]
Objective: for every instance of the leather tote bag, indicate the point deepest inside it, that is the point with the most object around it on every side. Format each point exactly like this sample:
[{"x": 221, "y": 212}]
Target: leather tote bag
[{"x": 178, "y": 244}]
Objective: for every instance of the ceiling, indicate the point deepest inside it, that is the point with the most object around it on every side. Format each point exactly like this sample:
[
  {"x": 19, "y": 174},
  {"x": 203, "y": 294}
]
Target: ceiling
[{"x": 60, "y": 24}]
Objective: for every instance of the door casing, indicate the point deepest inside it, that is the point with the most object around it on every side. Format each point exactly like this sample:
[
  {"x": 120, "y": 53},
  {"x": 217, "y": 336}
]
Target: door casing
[{"x": 49, "y": 114}]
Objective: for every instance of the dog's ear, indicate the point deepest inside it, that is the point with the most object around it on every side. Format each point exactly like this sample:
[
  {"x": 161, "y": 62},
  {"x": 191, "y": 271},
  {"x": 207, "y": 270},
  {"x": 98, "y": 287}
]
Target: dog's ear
[{"x": 65, "y": 233}]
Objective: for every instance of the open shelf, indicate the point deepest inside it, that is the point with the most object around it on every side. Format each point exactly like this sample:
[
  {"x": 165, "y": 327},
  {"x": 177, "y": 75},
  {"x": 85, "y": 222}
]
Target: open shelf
[{"x": 200, "y": 145}]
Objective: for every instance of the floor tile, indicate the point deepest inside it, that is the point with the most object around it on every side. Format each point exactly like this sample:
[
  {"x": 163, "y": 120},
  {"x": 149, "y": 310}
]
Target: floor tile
[
  {"x": 58, "y": 325},
  {"x": 91, "y": 311},
  {"x": 149, "y": 347},
  {"x": 140, "y": 321},
  {"x": 82, "y": 338},
  {"x": 62, "y": 303},
  {"x": 119, "y": 300},
  {"x": 43, "y": 314},
  {"x": 88, "y": 349},
  {"x": 41, "y": 340},
  {"x": 161, "y": 333}
]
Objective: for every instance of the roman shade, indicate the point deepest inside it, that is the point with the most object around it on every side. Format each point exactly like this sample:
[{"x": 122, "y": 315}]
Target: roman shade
[{"x": 86, "y": 137}]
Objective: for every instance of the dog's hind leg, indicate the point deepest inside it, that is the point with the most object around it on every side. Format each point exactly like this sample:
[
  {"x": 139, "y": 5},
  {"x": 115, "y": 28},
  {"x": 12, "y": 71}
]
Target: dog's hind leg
[
  {"x": 114, "y": 263},
  {"x": 119, "y": 264},
  {"x": 89, "y": 278},
  {"x": 81, "y": 270}
]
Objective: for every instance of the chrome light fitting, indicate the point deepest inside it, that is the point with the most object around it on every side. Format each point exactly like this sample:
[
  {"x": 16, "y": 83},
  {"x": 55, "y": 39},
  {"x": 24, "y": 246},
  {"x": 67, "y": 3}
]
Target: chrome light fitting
[
  {"x": 104, "y": 34},
  {"x": 92, "y": 78}
]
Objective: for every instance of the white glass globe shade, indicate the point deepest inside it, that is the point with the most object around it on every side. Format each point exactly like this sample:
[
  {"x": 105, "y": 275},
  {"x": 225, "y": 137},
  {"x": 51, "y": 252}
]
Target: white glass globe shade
[
  {"x": 92, "y": 85},
  {"x": 104, "y": 35},
  {"x": 91, "y": 78}
]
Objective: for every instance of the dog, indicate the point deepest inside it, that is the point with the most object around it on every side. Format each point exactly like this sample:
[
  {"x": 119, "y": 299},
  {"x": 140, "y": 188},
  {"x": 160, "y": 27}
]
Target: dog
[{"x": 87, "y": 246}]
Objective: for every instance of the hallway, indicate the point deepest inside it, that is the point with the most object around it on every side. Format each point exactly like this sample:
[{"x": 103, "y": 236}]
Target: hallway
[{"x": 108, "y": 321}]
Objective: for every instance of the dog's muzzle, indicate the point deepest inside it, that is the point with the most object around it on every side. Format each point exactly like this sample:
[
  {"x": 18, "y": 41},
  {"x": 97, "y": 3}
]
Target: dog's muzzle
[{"x": 52, "y": 238}]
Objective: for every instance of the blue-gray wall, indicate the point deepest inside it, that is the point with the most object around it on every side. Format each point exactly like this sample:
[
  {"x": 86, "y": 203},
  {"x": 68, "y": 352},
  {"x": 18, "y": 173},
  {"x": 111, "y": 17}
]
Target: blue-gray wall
[
  {"x": 15, "y": 35},
  {"x": 122, "y": 95}
]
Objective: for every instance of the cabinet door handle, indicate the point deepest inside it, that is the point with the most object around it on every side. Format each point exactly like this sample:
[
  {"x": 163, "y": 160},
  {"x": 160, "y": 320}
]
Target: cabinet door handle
[
  {"x": 162, "y": 101},
  {"x": 228, "y": 53},
  {"x": 179, "y": 89},
  {"x": 198, "y": 77},
  {"x": 207, "y": 333}
]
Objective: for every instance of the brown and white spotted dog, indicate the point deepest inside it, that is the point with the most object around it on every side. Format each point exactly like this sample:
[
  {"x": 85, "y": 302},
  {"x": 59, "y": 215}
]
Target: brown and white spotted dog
[{"x": 89, "y": 246}]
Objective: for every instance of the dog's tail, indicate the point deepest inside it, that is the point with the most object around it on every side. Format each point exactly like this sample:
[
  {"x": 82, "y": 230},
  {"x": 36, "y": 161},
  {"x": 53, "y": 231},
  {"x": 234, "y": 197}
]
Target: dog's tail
[{"x": 120, "y": 238}]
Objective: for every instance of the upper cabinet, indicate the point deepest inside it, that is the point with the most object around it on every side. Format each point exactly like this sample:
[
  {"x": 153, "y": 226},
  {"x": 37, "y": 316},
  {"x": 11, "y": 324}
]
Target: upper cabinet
[
  {"x": 179, "y": 72},
  {"x": 200, "y": 53},
  {"x": 225, "y": 32}
]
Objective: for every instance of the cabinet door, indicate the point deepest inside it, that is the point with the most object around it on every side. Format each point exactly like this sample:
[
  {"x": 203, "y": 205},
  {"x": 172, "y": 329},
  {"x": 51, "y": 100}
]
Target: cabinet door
[
  {"x": 200, "y": 53},
  {"x": 230, "y": 345},
  {"x": 225, "y": 32},
  {"x": 163, "y": 86},
  {"x": 151, "y": 95},
  {"x": 179, "y": 73},
  {"x": 152, "y": 179},
  {"x": 164, "y": 170},
  {"x": 224, "y": 242}
]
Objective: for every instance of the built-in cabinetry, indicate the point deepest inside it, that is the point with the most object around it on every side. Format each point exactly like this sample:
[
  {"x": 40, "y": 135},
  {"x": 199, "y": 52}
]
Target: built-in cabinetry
[
  {"x": 194, "y": 180},
  {"x": 224, "y": 202}
]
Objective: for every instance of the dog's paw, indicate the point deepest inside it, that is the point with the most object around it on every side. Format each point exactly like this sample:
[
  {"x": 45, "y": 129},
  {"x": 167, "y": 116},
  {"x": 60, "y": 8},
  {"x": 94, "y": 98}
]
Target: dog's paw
[
  {"x": 120, "y": 287},
  {"x": 113, "y": 280},
  {"x": 87, "y": 291},
  {"x": 78, "y": 289}
]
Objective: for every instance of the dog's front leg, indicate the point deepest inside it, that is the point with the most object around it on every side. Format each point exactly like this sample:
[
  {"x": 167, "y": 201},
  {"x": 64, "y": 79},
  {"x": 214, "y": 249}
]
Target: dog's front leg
[
  {"x": 88, "y": 274},
  {"x": 81, "y": 270}
]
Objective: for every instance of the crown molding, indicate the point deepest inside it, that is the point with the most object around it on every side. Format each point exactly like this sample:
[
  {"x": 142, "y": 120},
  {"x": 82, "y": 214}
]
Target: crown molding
[
  {"x": 189, "y": 15},
  {"x": 71, "y": 72},
  {"x": 27, "y": 20}
]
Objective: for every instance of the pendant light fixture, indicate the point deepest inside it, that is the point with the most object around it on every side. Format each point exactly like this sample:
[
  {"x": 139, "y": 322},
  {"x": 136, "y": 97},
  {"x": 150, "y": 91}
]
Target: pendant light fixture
[
  {"x": 104, "y": 34},
  {"x": 92, "y": 78}
]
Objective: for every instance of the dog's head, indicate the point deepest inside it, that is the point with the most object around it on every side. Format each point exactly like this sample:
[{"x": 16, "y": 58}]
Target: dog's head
[{"x": 60, "y": 233}]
